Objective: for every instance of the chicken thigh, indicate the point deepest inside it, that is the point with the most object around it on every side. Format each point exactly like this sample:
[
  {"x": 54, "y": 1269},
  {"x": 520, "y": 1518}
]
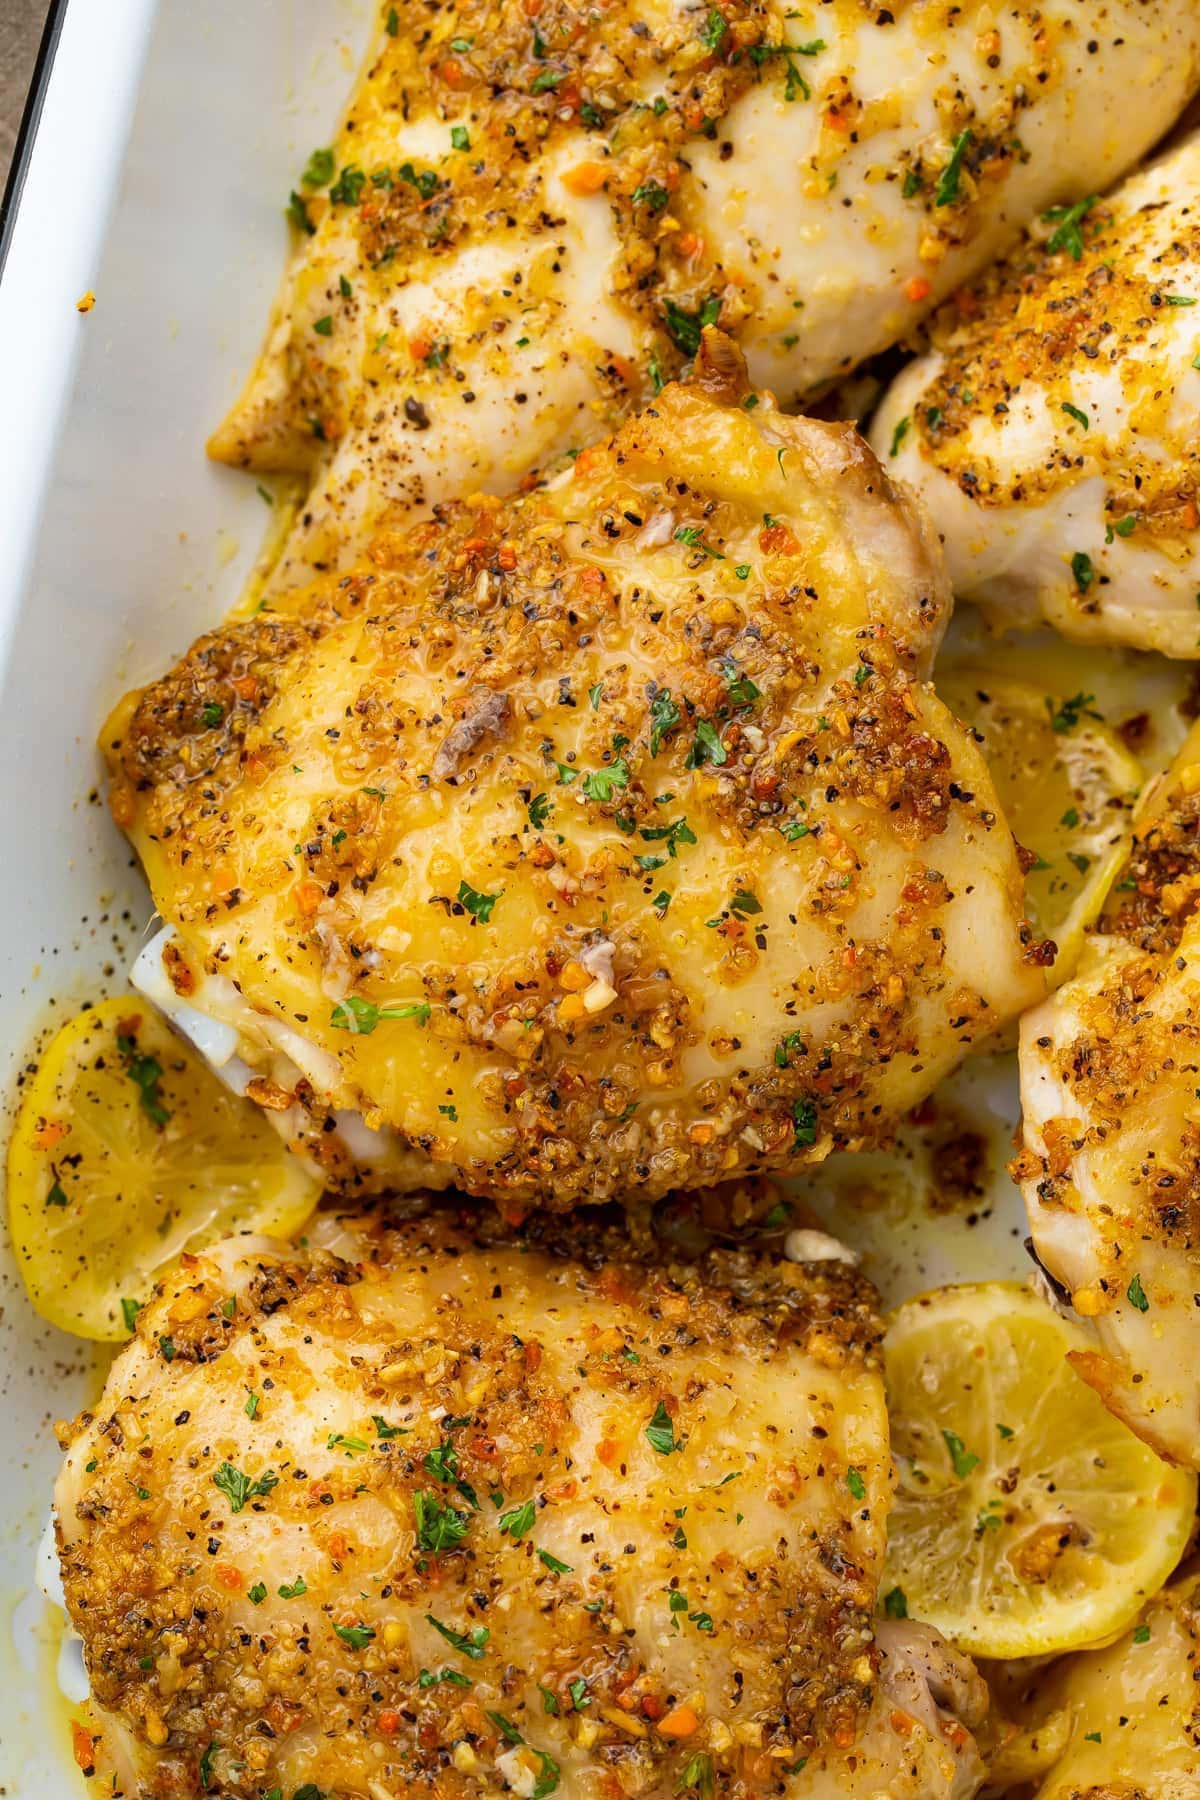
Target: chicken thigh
[
  {"x": 1052, "y": 431},
  {"x": 528, "y": 214},
  {"x": 1130, "y": 1713},
  {"x": 597, "y": 843},
  {"x": 424, "y": 1508},
  {"x": 1110, "y": 1088}
]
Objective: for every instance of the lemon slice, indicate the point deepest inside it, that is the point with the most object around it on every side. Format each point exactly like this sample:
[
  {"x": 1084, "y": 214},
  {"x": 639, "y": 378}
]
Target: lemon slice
[
  {"x": 1067, "y": 785},
  {"x": 126, "y": 1151},
  {"x": 1028, "y": 1519}
]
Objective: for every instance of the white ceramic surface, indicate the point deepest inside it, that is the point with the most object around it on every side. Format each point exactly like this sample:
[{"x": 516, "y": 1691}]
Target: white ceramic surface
[{"x": 170, "y": 136}]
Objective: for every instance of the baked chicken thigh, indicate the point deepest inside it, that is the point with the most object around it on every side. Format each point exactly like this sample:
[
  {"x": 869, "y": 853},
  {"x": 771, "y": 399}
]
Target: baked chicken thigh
[
  {"x": 426, "y": 1509},
  {"x": 1052, "y": 430},
  {"x": 1110, "y": 1088},
  {"x": 600, "y": 842},
  {"x": 1129, "y": 1714},
  {"x": 528, "y": 214}
]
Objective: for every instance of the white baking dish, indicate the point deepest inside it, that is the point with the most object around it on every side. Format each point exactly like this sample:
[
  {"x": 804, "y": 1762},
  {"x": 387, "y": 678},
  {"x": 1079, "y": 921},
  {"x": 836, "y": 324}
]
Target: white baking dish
[{"x": 169, "y": 136}]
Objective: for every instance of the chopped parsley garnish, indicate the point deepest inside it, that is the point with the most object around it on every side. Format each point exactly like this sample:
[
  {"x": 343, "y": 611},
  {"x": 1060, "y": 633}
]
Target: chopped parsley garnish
[
  {"x": 1066, "y": 716},
  {"x": 146, "y": 1073},
  {"x": 714, "y": 28},
  {"x": 741, "y": 690},
  {"x": 795, "y": 87},
  {"x": 167, "y": 1346},
  {"x": 899, "y": 435},
  {"x": 964, "y": 1460},
  {"x": 552, "y": 1563},
  {"x": 660, "y": 1432},
  {"x": 698, "y": 1775},
  {"x": 519, "y": 1522},
  {"x": 578, "y": 1690},
  {"x": 664, "y": 717},
  {"x": 1142, "y": 1635},
  {"x": 292, "y": 1590},
  {"x": 478, "y": 905},
  {"x": 546, "y": 79},
  {"x": 347, "y": 189},
  {"x": 685, "y": 327},
  {"x": 744, "y": 903},
  {"x": 706, "y": 747},
  {"x": 855, "y": 1483},
  {"x": 324, "y": 326},
  {"x": 297, "y": 212},
  {"x": 1135, "y": 1293},
  {"x": 1066, "y": 221},
  {"x": 460, "y": 138},
  {"x": 1082, "y": 570},
  {"x": 385, "y": 1430},
  {"x": 550, "y": 1702},
  {"x": 319, "y": 172},
  {"x": 1120, "y": 528},
  {"x": 804, "y": 1119},
  {"x": 895, "y": 1603},
  {"x": 452, "y": 1677},
  {"x": 424, "y": 180},
  {"x": 470, "y": 1643},
  {"x": 1077, "y": 413},
  {"x": 442, "y": 1464},
  {"x": 357, "y": 1636},
  {"x": 693, "y": 537},
  {"x": 257, "y": 1594},
  {"x": 238, "y": 1487},
  {"x": 650, "y": 194},
  {"x": 946, "y": 192},
  {"x": 206, "y": 1762},
  {"x": 393, "y": 22},
  {"x": 677, "y": 832},
  {"x": 439, "y": 1527},
  {"x": 601, "y": 784},
  {"x": 129, "y": 1312},
  {"x": 360, "y": 1016},
  {"x": 540, "y": 808}
]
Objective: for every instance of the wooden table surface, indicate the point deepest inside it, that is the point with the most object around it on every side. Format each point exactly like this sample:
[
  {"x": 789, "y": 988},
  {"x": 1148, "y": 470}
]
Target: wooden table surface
[{"x": 21, "y": 23}]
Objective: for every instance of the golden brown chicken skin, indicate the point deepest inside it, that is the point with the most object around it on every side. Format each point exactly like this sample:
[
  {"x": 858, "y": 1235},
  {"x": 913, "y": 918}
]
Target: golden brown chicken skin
[
  {"x": 530, "y": 210},
  {"x": 607, "y": 840},
  {"x": 1110, "y": 1087},
  {"x": 425, "y": 1508}
]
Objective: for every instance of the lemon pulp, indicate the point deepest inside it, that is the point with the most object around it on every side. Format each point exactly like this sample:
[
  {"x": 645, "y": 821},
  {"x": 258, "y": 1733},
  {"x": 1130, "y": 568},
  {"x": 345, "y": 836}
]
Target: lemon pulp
[
  {"x": 1028, "y": 1519},
  {"x": 1067, "y": 785},
  {"x": 127, "y": 1150}
]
